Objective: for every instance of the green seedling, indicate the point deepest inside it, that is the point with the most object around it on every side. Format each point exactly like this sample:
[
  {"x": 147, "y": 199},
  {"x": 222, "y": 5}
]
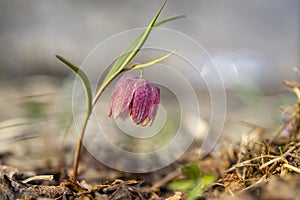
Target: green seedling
[{"x": 195, "y": 182}]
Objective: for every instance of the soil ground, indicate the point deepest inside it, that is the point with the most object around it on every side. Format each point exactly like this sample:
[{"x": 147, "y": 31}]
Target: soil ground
[{"x": 261, "y": 165}]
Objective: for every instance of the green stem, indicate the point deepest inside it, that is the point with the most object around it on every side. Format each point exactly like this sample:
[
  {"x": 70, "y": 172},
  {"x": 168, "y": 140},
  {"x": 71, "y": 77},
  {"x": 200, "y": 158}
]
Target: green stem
[
  {"x": 79, "y": 145},
  {"x": 84, "y": 125}
]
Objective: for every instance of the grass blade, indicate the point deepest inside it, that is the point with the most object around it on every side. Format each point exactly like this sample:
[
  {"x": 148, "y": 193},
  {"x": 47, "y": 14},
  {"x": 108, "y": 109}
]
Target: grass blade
[
  {"x": 120, "y": 64},
  {"x": 135, "y": 42},
  {"x": 168, "y": 20},
  {"x": 88, "y": 95},
  {"x": 85, "y": 81},
  {"x": 152, "y": 62}
]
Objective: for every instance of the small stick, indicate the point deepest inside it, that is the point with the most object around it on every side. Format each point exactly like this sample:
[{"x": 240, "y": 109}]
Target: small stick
[
  {"x": 248, "y": 162},
  {"x": 291, "y": 167},
  {"x": 263, "y": 179},
  {"x": 38, "y": 178},
  {"x": 282, "y": 157}
]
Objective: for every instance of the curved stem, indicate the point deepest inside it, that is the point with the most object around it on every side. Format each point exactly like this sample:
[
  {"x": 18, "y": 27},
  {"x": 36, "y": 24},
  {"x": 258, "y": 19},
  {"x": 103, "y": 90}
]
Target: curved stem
[
  {"x": 79, "y": 145},
  {"x": 84, "y": 125},
  {"x": 141, "y": 72}
]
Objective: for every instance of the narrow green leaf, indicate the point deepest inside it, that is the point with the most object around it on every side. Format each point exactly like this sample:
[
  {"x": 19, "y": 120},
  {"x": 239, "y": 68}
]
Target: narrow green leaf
[
  {"x": 84, "y": 79},
  {"x": 142, "y": 40},
  {"x": 168, "y": 20},
  {"x": 134, "y": 43},
  {"x": 139, "y": 66},
  {"x": 115, "y": 69}
]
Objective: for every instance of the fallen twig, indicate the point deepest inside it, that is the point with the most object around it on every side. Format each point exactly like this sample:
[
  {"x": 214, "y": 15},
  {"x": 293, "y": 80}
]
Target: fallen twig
[{"x": 38, "y": 178}]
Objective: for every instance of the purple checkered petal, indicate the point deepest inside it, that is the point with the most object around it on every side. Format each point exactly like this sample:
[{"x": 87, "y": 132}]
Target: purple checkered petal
[
  {"x": 122, "y": 96},
  {"x": 141, "y": 101},
  {"x": 155, "y": 95},
  {"x": 136, "y": 97},
  {"x": 155, "y": 102}
]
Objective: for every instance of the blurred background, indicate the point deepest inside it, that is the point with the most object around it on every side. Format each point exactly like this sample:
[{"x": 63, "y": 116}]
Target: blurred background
[
  {"x": 265, "y": 33},
  {"x": 255, "y": 44}
]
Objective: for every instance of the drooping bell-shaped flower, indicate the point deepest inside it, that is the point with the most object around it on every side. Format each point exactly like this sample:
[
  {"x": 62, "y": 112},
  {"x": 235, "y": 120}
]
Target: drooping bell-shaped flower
[{"x": 135, "y": 97}]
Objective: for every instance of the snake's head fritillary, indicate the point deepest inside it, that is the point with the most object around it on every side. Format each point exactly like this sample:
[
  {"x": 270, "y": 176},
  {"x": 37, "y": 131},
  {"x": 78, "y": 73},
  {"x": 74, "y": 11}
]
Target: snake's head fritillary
[{"x": 135, "y": 97}]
